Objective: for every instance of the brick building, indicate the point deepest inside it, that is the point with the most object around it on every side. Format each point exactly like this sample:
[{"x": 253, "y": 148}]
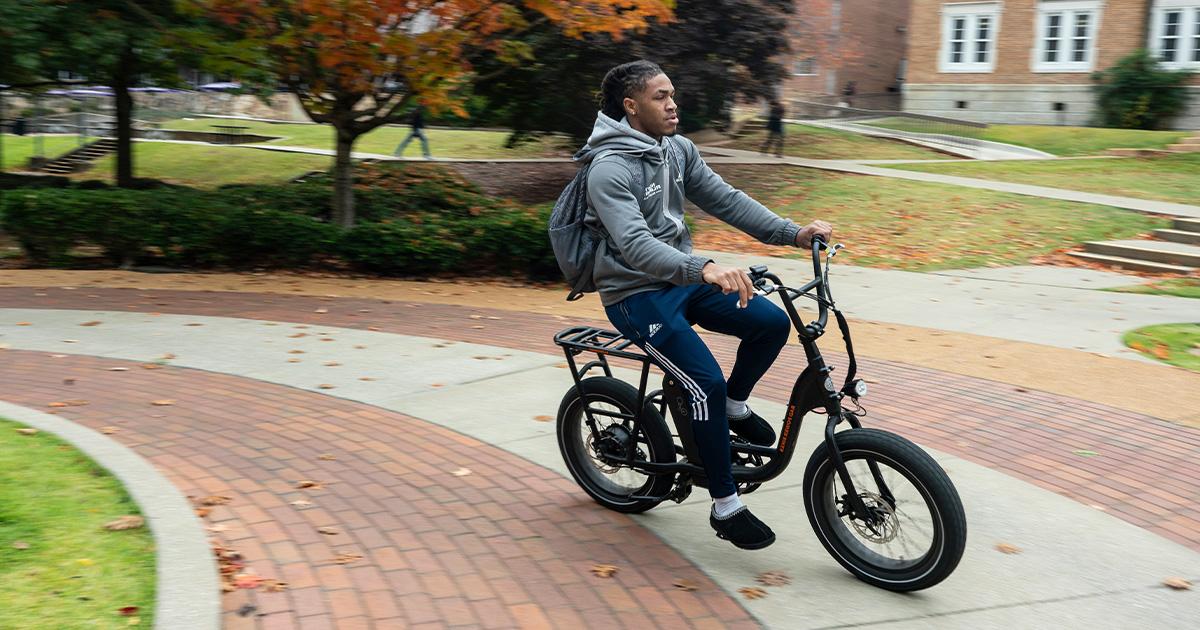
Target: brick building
[
  {"x": 1030, "y": 61},
  {"x": 838, "y": 41}
]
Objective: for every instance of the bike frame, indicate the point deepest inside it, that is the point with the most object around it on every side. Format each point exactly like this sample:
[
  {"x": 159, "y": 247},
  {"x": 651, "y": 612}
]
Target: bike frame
[{"x": 812, "y": 390}]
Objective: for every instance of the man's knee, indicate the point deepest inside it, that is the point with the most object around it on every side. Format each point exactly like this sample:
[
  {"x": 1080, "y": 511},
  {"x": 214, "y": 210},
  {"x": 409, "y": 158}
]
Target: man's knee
[{"x": 778, "y": 326}]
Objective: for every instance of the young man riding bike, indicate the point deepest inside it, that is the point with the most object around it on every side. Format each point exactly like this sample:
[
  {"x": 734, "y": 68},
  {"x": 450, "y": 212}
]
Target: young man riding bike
[{"x": 654, "y": 289}]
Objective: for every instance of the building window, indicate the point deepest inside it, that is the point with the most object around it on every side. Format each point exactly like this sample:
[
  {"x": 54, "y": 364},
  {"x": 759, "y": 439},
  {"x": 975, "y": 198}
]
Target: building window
[
  {"x": 969, "y": 37},
  {"x": 1066, "y": 35},
  {"x": 805, "y": 67},
  {"x": 1175, "y": 33}
]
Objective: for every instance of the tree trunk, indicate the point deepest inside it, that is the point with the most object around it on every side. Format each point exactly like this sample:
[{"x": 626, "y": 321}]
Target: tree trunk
[
  {"x": 123, "y": 78},
  {"x": 343, "y": 180}
]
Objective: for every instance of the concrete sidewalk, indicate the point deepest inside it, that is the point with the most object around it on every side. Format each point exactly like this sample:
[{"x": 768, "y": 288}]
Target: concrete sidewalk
[
  {"x": 1052, "y": 306},
  {"x": 1080, "y": 565}
]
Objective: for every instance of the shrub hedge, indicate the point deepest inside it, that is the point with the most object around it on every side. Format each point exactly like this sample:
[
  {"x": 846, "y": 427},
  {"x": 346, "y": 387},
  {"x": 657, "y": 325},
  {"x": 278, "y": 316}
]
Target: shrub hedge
[{"x": 411, "y": 222}]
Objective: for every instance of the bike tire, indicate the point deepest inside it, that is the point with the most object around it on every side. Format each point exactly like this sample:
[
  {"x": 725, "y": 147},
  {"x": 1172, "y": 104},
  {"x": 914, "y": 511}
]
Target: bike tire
[
  {"x": 658, "y": 442},
  {"x": 949, "y": 535}
]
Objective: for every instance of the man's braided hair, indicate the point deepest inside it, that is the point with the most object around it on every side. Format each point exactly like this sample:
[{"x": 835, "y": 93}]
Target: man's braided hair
[{"x": 624, "y": 81}]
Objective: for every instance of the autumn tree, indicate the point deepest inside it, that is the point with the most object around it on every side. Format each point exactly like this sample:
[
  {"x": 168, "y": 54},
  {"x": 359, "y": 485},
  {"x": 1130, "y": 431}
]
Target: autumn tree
[
  {"x": 359, "y": 64},
  {"x": 714, "y": 52},
  {"x": 119, "y": 43}
]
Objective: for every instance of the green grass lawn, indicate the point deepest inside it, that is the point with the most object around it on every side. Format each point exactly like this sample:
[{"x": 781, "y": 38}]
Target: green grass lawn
[
  {"x": 442, "y": 142},
  {"x": 830, "y": 144},
  {"x": 1176, "y": 344},
  {"x": 1061, "y": 141},
  {"x": 74, "y": 573},
  {"x": 205, "y": 166},
  {"x": 18, "y": 149},
  {"x": 917, "y": 226},
  {"x": 1178, "y": 287},
  {"x": 1167, "y": 178}
]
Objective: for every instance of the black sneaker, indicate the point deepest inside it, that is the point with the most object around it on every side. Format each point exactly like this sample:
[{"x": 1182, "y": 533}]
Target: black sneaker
[
  {"x": 742, "y": 529},
  {"x": 752, "y": 428}
]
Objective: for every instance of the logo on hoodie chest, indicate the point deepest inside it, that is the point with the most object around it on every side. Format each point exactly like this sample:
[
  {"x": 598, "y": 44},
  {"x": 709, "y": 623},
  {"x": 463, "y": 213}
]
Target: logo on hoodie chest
[{"x": 652, "y": 189}]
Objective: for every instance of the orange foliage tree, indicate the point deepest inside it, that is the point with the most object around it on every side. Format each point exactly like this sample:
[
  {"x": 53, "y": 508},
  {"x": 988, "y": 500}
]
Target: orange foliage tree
[{"x": 359, "y": 64}]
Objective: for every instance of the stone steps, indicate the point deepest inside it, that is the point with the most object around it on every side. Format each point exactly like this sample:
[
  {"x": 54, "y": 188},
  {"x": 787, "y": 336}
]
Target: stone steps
[
  {"x": 1178, "y": 236},
  {"x": 1132, "y": 264},
  {"x": 1169, "y": 256},
  {"x": 81, "y": 158}
]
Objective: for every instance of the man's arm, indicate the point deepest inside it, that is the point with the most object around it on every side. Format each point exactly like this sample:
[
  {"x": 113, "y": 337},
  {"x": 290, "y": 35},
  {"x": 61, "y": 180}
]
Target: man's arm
[
  {"x": 716, "y": 197},
  {"x": 621, "y": 215}
]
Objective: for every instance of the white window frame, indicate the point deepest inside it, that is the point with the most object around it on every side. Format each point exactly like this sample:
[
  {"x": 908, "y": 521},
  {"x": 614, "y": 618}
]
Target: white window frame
[
  {"x": 812, "y": 67},
  {"x": 1188, "y": 34},
  {"x": 1068, "y": 9},
  {"x": 971, "y": 12}
]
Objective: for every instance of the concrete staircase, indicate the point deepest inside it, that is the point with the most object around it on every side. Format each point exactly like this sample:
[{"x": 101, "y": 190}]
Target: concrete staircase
[
  {"x": 1175, "y": 250},
  {"x": 81, "y": 158}
]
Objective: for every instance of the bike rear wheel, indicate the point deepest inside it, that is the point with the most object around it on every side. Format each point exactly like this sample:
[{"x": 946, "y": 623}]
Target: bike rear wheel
[
  {"x": 614, "y": 485},
  {"x": 920, "y": 536}
]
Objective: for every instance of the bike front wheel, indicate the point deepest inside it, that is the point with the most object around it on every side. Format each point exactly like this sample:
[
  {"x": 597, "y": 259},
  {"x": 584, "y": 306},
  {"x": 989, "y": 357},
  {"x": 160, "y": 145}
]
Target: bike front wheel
[{"x": 920, "y": 529}]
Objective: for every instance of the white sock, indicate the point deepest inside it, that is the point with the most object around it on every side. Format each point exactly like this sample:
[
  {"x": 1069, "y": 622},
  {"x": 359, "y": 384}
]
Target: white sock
[
  {"x": 725, "y": 506},
  {"x": 736, "y": 408}
]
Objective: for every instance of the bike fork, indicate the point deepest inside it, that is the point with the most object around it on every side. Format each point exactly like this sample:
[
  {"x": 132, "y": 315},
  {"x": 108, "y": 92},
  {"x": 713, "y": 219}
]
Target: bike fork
[{"x": 858, "y": 508}]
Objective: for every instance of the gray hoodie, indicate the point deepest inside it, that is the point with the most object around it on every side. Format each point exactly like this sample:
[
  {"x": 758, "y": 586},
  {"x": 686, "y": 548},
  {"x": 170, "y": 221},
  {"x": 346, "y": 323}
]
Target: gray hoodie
[{"x": 636, "y": 188}]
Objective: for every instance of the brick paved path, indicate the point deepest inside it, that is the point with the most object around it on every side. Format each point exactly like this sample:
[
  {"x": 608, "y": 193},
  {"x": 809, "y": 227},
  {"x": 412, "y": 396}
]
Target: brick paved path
[
  {"x": 509, "y": 544},
  {"x": 423, "y": 530}
]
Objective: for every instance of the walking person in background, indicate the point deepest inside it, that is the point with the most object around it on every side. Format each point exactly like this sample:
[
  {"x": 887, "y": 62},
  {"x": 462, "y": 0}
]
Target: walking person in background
[
  {"x": 418, "y": 130},
  {"x": 774, "y": 130}
]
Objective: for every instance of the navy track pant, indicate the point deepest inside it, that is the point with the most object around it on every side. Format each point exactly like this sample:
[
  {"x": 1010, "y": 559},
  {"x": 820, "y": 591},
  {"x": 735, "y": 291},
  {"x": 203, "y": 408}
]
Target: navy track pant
[{"x": 660, "y": 322}]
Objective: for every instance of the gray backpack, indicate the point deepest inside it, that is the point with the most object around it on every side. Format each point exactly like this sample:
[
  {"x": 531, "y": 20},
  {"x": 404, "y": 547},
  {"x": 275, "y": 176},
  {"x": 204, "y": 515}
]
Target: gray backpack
[{"x": 575, "y": 243}]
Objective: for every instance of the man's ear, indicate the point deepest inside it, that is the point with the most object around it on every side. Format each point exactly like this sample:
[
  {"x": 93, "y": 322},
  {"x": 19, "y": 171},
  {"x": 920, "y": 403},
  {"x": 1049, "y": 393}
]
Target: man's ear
[{"x": 630, "y": 106}]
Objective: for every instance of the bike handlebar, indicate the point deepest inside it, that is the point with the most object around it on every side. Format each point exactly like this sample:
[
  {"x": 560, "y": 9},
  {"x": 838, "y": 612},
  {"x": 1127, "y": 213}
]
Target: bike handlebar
[{"x": 759, "y": 273}]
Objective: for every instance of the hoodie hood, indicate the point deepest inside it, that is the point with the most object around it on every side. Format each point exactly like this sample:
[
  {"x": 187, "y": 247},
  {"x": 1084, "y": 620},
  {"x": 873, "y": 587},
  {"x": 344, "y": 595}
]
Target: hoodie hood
[{"x": 618, "y": 137}]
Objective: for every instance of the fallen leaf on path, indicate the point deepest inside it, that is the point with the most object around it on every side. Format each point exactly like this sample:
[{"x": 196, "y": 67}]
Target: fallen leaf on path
[
  {"x": 544, "y": 418},
  {"x": 166, "y": 402},
  {"x": 604, "y": 570},
  {"x": 274, "y": 586},
  {"x": 293, "y": 360},
  {"x": 1007, "y": 548},
  {"x": 347, "y": 558},
  {"x": 752, "y": 592},
  {"x": 216, "y": 499},
  {"x": 326, "y": 457},
  {"x": 328, "y": 339},
  {"x": 70, "y": 341},
  {"x": 247, "y": 580},
  {"x": 68, "y": 381},
  {"x": 774, "y": 578},
  {"x": 131, "y": 521},
  {"x": 27, "y": 431},
  {"x": 150, "y": 366},
  {"x": 436, "y": 385},
  {"x": 325, "y": 386},
  {"x": 202, "y": 512},
  {"x": 57, "y": 404},
  {"x": 92, "y": 323},
  {"x": 217, "y": 529},
  {"x": 308, "y": 483},
  {"x": 372, "y": 328},
  {"x": 24, "y": 324},
  {"x": 167, "y": 357},
  {"x": 360, "y": 347},
  {"x": 322, "y": 311},
  {"x": 461, "y": 472},
  {"x": 301, "y": 503},
  {"x": 295, "y": 352},
  {"x": 297, "y": 335},
  {"x": 331, "y": 364},
  {"x": 328, "y": 531},
  {"x": 477, "y": 327},
  {"x": 1177, "y": 583},
  {"x": 685, "y": 585},
  {"x": 194, "y": 324},
  {"x": 365, "y": 378}
]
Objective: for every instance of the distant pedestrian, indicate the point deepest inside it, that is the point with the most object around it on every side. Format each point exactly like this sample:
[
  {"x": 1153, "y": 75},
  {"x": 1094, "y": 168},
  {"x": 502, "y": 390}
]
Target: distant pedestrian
[
  {"x": 418, "y": 130},
  {"x": 774, "y": 130}
]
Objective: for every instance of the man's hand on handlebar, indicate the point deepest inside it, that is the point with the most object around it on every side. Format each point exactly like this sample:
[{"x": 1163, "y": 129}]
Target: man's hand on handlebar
[
  {"x": 729, "y": 280},
  {"x": 805, "y": 236}
]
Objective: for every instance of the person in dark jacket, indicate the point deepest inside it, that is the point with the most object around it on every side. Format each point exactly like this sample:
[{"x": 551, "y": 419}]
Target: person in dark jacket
[
  {"x": 774, "y": 130},
  {"x": 418, "y": 131},
  {"x": 654, "y": 289}
]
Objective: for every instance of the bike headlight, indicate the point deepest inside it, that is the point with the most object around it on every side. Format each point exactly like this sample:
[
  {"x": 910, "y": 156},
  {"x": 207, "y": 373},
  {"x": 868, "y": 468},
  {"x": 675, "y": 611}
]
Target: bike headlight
[
  {"x": 860, "y": 388},
  {"x": 829, "y": 385}
]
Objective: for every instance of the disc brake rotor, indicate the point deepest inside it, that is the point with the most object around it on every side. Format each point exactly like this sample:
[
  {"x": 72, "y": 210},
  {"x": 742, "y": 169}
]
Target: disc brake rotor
[{"x": 885, "y": 528}]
